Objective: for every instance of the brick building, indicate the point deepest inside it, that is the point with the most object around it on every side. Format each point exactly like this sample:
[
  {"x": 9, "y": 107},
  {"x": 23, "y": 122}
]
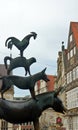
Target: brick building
[
  {"x": 72, "y": 77},
  {"x": 42, "y": 86},
  {"x": 67, "y": 75}
]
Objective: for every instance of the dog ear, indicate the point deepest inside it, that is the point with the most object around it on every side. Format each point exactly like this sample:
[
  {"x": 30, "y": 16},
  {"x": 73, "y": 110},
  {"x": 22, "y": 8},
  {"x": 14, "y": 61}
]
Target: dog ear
[
  {"x": 57, "y": 91},
  {"x": 44, "y": 70}
]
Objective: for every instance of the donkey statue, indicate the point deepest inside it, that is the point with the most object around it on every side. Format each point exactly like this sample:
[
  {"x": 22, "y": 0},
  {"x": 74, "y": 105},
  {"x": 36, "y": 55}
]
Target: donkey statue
[{"x": 29, "y": 110}]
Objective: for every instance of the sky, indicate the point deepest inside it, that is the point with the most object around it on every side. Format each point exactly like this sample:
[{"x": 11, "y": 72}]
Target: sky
[{"x": 50, "y": 19}]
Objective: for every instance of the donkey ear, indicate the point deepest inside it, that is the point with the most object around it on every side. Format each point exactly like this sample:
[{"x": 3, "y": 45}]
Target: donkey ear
[
  {"x": 44, "y": 70},
  {"x": 57, "y": 91}
]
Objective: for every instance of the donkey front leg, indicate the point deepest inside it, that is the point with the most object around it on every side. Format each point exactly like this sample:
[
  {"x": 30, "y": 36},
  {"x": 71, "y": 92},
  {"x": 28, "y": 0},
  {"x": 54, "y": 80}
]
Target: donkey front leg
[
  {"x": 32, "y": 93},
  {"x": 36, "y": 124}
]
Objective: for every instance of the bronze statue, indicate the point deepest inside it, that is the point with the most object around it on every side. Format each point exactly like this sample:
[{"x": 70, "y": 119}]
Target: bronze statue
[
  {"x": 27, "y": 111},
  {"x": 22, "y": 82},
  {"x": 21, "y": 45},
  {"x": 18, "y": 62},
  {"x": 30, "y": 110}
]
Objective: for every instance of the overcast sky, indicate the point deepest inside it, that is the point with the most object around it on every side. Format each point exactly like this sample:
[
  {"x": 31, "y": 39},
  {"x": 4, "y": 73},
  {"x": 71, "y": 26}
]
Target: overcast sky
[{"x": 50, "y": 19}]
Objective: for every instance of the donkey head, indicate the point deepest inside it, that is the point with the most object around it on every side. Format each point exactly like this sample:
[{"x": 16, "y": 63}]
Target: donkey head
[
  {"x": 58, "y": 105},
  {"x": 44, "y": 76}
]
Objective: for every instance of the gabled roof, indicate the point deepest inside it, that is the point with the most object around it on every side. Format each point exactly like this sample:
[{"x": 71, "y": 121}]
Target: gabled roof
[{"x": 74, "y": 29}]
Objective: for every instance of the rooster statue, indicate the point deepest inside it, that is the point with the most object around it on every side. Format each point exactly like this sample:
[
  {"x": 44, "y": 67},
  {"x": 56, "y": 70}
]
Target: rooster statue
[{"x": 21, "y": 45}]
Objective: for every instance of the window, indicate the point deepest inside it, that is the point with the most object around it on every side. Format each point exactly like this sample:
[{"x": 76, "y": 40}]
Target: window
[
  {"x": 75, "y": 123},
  {"x": 74, "y": 73},
  {"x": 72, "y": 94},
  {"x": 77, "y": 72},
  {"x": 74, "y": 50},
  {"x": 4, "y": 125},
  {"x": 71, "y": 53},
  {"x": 68, "y": 77},
  {"x": 68, "y": 55},
  {"x": 71, "y": 38},
  {"x": 70, "y": 73}
]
